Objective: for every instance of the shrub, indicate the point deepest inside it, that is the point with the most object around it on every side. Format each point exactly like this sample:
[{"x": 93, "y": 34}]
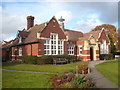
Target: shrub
[
  {"x": 106, "y": 56},
  {"x": 48, "y": 59},
  {"x": 83, "y": 69},
  {"x": 79, "y": 80},
  {"x": 29, "y": 59},
  {"x": 87, "y": 84}
]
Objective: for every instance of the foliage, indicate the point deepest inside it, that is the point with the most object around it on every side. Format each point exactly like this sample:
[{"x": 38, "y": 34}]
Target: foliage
[
  {"x": 113, "y": 48},
  {"x": 110, "y": 29},
  {"x": 106, "y": 56},
  {"x": 111, "y": 32},
  {"x": 78, "y": 80},
  {"x": 87, "y": 84},
  {"x": 47, "y": 59},
  {"x": 29, "y": 59},
  {"x": 83, "y": 69},
  {"x": 69, "y": 80}
]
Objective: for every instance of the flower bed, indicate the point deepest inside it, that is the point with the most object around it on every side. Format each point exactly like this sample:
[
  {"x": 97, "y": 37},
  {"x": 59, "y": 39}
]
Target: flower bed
[{"x": 73, "y": 79}]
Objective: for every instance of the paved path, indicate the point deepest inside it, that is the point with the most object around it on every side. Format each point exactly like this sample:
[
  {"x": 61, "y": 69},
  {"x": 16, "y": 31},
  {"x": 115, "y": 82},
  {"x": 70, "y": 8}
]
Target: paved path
[
  {"x": 99, "y": 79},
  {"x": 28, "y": 71}
]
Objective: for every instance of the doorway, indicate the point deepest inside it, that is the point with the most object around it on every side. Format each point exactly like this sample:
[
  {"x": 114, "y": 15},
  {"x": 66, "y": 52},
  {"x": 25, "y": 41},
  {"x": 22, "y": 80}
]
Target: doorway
[{"x": 91, "y": 54}]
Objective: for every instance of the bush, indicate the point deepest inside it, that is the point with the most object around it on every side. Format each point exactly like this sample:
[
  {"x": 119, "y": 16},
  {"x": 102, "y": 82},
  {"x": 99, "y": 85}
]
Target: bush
[
  {"x": 87, "y": 84},
  {"x": 47, "y": 59},
  {"x": 29, "y": 59},
  {"x": 106, "y": 56}
]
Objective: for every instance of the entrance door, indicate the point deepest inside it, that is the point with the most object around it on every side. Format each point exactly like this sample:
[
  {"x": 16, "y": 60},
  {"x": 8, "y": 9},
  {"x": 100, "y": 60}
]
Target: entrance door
[{"x": 91, "y": 53}]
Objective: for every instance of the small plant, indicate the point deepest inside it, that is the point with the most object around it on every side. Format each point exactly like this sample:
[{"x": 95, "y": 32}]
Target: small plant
[
  {"x": 87, "y": 84},
  {"x": 79, "y": 79},
  {"x": 83, "y": 69}
]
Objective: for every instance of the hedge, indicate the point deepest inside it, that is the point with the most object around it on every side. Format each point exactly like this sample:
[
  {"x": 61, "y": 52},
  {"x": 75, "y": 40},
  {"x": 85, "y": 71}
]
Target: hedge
[
  {"x": 106, "y": 56},
  {"x": 48, "y": 59}
]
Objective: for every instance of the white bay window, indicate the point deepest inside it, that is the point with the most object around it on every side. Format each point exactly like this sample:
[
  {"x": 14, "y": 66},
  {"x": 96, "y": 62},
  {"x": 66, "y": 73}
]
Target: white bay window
[{"x": 53, "y": 46}]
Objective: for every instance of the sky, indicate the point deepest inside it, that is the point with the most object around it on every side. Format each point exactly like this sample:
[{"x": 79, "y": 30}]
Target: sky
[{"x": 80, "y": 16}]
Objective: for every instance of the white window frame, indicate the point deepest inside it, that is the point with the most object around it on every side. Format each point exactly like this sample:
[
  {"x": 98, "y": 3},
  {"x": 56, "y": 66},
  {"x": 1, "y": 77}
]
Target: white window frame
[
  {"x": 71, "y": 50},
  {"x": 54, "y": 45},
  {"x": 54, "y": 41},
  {"x": 46, "y": 47},
  {"x": 20, "y": 51},
  {"x": 60, "y": 47},
  {"x": 104, "y": 47}
]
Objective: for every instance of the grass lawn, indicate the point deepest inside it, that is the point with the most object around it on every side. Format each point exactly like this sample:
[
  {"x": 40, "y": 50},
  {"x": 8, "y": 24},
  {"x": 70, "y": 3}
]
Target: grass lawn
[
  {"x": 25, "y": 80},
  {"x": 31, "y": 80},
  {"x": 41, "y": 68},
  {"x": 110, "y": 70}
]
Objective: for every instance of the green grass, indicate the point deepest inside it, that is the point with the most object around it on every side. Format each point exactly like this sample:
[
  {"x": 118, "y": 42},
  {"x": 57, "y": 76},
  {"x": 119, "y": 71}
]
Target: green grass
[
  {"x": 25, "y": 80},
  {"x": 110, "y": 70},
  {"x": 12, "y": 79},
  {"x": 41, "y": 68}
]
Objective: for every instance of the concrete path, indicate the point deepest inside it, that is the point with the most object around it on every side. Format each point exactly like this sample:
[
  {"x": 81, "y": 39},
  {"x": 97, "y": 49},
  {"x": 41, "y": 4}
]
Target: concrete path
[
  {"x": 99, "y": 79},
  {"x": 29, "y": 71}
]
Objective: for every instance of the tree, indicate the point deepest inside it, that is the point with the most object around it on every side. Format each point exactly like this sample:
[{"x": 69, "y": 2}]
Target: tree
[{"x": 112, "y": 34}]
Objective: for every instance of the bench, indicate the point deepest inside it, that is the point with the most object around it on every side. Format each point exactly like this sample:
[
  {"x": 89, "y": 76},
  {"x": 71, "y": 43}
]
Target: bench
[{"x": 59, "y": 60}]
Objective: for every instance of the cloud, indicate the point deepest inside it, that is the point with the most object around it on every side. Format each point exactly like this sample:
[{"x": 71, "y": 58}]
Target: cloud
[
  {"x": 67, "y": 15},
  {"x": 8, "y": 37},
  {"x": 11, "y": 24},
  {"x": 91, "y": 21}
]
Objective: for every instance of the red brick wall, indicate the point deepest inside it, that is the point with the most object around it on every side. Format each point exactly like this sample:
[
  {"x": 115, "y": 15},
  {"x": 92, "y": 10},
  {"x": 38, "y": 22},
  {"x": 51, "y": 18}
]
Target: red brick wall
[
  {"x": 103, "y": 36},
  {"x": 65, "y": 47},
  {"x": 97, "y": 51},
  {"x": 86, "y": 52},
  {"x": 13, "y": 50},
  {"x": 51, "y": 29},
  {"x": 41, "y": 47}
]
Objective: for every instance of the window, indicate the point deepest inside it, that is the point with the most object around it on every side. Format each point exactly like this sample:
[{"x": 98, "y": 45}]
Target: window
[
  {"x": 53, "y": 46},
  {"x": 46, "y": 47},
  {"x": 71, "y": 50},
  {"x": 20, "y": 51},
  {"x": 104, "y": 48},
  {"x": 60, "y": 47},
  {"x": 80, "y": 50}
]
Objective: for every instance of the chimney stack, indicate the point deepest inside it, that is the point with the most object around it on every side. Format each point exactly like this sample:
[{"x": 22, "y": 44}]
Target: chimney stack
[{"x": 30, "y": 22}]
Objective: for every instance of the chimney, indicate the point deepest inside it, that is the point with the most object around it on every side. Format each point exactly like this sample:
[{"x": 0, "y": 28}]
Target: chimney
[
  {"x": 30, "y": 22},
  {"x": 61, "y": 22}
]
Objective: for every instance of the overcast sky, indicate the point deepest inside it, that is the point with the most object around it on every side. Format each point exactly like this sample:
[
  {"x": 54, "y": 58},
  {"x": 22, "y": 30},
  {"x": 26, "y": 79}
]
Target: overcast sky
[{"x": 80, "y": 16}]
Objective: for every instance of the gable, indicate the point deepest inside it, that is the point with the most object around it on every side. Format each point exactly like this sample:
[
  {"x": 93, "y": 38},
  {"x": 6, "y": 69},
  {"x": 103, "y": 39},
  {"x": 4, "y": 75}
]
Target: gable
[
  {"x": 52, "y": 27},
  {"x": 92, "y": 40},
  {"x": 103, "y": 36}
]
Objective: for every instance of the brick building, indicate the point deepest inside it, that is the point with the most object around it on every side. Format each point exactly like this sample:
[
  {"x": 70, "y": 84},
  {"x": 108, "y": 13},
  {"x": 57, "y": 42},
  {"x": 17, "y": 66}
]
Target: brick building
[{"x": 51, "y": 38}]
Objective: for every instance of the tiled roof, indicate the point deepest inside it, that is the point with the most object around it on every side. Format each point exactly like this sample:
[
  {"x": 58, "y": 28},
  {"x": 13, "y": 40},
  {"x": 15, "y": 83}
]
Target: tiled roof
[
  {"x": 86, "y": 36},
  {"x": 32, "y": 33},
  {"x": 7, "y": 44},
  {"x": 73, "y": 35}
]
